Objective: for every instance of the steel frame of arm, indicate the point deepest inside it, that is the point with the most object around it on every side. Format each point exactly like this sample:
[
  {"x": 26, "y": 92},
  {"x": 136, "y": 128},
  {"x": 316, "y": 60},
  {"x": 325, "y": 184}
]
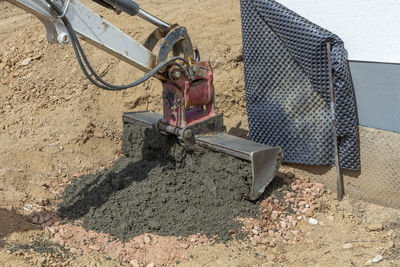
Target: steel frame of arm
[{"x": 91, "y": 28}]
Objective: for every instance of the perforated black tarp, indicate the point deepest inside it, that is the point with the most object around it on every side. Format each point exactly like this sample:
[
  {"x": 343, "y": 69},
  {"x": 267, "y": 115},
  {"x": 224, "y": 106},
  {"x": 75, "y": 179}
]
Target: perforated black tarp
[{"x": 287, "y": 86}]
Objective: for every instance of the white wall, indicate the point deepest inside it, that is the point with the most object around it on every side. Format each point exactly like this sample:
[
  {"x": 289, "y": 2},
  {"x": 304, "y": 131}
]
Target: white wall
[{"x": 370, "y": 29}]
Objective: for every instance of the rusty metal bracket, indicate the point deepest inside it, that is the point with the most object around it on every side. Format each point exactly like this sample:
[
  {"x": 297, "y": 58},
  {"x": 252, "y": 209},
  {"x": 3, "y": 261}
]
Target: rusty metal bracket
[
  {"x": 153, "y": 39},
  {"x": 179, "y": 42}
]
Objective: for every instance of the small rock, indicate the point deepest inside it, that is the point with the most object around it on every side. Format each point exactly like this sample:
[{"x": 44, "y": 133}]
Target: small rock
[
  {"x": 375, "y": 227},
  {"x": 271, "y": 257},
  {"x": 319, "y": 186},
  {"x": 309, "y": 213},
  {"x": 231, "y": 232},
  {"x": 377, "y": 259},
  {"x": 41, "y": 260},
  {"x": 26, "y": 61},
  {"x": 257, "y": 239},
  {"x": 147, "y": 239},
  {"x": 99, "y": 134},
  {"x": 134, "y": 263},
  {"x": 347, "y": 246},
  {"x": 95, "y": 247},
  {"x": 28, "y": 207},
  {"x": 45, "y": 185},
  {"x": 313, "y": 221},
  {"x": 8, "y": 251},
  {"x": 302, "y": 203},
  {"x": 271, "y": 234},
  {"x": 390, "y": 244},
  {"x": 150, "y": 265},
  {"x": 219, "y": 63},
  {"x": 52, "y": 230},
  {"x": 391, "y": 233},
  {"x": 37, "y": 57},
  {"x": 184, "y": 245}
]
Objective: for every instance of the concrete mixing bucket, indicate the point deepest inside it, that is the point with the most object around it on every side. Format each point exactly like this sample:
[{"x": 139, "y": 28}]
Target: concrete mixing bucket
[{"x": 264, "y": 160}]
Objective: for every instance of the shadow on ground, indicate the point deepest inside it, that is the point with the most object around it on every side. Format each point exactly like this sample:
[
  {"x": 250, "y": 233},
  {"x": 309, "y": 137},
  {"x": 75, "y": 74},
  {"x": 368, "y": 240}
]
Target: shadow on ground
[
  {"x": 239, "y": 131},
  {"x": 144, "y": 154},
  {"x": 11, "y": 222}
]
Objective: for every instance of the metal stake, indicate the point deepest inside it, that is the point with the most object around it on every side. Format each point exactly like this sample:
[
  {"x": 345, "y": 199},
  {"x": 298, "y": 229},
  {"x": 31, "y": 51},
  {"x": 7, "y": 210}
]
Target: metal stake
[{"x": 339, "y": 177}]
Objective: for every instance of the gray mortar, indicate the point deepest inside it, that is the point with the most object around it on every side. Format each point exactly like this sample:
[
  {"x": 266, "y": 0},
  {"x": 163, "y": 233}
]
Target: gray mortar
[{"x": 162, "y": 187}]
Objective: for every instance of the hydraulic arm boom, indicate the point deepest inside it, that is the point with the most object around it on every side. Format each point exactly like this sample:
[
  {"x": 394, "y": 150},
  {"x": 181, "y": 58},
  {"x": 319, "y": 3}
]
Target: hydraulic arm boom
[{"x": 93, "y": 29}]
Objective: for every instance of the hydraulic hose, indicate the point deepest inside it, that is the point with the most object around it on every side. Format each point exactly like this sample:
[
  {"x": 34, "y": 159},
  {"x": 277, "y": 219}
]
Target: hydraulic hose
[{"x": 98, "y": 81}]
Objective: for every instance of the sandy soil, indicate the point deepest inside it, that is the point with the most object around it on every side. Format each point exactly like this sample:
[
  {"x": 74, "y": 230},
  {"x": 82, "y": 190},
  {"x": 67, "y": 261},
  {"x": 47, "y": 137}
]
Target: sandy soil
[{"x": 55, "y": 126}]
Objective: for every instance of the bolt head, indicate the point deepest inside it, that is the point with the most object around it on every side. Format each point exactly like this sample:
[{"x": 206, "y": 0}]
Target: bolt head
[
  {"x": 187, "y": 134},
  {"x": 177, "y": 74},
  {"x": 63, "y": 38}
]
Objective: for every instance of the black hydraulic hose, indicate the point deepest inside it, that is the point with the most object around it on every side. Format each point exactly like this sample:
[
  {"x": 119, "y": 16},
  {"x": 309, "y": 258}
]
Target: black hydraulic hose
[
  {"x": 104, "y": 4},
  {"x": 100, "y": 82}
]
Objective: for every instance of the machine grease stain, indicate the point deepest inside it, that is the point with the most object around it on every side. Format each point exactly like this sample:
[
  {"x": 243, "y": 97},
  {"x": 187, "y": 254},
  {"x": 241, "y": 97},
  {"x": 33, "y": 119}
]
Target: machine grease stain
[{"x": 162, "y": 187}]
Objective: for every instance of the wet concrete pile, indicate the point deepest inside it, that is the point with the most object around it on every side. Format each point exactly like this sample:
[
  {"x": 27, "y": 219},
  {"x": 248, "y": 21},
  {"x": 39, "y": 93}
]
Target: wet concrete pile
[{"x": 164, "y": 188}]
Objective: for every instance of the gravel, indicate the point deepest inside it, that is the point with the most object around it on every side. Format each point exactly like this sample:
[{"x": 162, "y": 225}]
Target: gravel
[{"x": 162, "y": 187}]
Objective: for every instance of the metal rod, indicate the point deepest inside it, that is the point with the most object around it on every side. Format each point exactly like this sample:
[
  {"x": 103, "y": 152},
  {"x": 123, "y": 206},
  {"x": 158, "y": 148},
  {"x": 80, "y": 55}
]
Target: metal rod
[
  {"x": 65, "y": 9},
  {"x": 339, "y": 177},
  {"x": 154, "y": 20}
]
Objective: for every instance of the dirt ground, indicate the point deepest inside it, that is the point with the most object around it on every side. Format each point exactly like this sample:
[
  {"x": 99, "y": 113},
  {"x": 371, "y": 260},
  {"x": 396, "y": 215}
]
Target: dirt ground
[{"x": 55, "y": 126}]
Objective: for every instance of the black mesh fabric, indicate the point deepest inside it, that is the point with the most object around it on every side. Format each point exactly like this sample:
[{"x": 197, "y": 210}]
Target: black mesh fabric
[{"x": 287, "y": 86}]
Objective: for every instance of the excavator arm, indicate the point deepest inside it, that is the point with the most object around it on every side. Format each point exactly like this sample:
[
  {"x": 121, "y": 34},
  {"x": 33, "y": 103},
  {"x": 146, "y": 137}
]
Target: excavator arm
[
  {"x": 188, "y": 90},
  {"x": 90, "y": 27},
  {"x": 93, "y": 29}
]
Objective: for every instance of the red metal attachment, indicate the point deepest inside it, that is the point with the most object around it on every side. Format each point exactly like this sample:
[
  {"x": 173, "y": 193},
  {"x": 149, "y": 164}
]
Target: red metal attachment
[{"x": 189, "y": 102}]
